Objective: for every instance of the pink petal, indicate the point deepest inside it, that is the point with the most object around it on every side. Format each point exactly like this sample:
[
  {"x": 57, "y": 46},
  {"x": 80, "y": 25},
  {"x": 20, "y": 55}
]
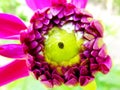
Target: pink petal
[
  {"x": 84, "y": 71},
  {"x": 14, "y": 70},
  {"x": 10, "y": 25},
  {"x": 103, "y": 52},
  {"x": 56, "y": 10},
  {"x": 56, "y": 82},
  {"x": 106, "y": 65},
  {"x": 84, "y": 80},
  {"x": 38, "y": 4},
  {"x": 79, "y": 3},
  {"x": 12, "y": 50},
  {"x": 72, "y": 81},
  {"x": 96, "y": 24},
  {"x": 89, "y": 44},
  {"x": 94, "y": 53},
  {"x": 94, "y": 68},
  {"x": 98, "y": 43},
  {"x": 48, "y": 83}
]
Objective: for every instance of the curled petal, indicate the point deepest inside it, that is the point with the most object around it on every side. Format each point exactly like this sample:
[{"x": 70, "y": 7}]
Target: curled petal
[
  {"x": 98, "y": 26},
  {"x": 79, "y": 3},
  {"x": 12, "y": 51},
  {"x": 72, "y": 81},
  {"x": 90, "y": 44},
  {"x": 56, "y": 82},
  {"x": 84, "y": 80},
  {"x": 14, "y": 70},
  {"x": 10, "y": 25},
  {"x": 83, "y": 71},
  {"x": 69, "y": 9},
  {"x": 55, "y": 10},
  {"x": 94, "y": 68},
  {"x": 103, "y": 52},
  {"x": 38, "y": 4},
  {"x": 48, "y": 83},
  {"x": 106, "y": 65},
  {"x": 98, "y": 43}
]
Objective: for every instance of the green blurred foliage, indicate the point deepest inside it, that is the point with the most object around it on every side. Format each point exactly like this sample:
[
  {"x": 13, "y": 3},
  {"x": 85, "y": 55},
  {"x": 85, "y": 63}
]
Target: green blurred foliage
[
  {"x": 116, "y": 6},
  {"x": 11, "y": 6},
  {"x": 109, "y": 81}
]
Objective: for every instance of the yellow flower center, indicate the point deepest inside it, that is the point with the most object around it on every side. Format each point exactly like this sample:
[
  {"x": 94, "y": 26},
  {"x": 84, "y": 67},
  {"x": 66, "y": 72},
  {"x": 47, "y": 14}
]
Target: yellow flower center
[{"x": 62, "y": 48}]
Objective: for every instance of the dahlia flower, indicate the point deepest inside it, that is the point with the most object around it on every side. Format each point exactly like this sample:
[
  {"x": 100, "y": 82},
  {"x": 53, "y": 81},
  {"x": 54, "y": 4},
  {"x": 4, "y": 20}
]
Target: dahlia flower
[{"x": 62, "y": 45}]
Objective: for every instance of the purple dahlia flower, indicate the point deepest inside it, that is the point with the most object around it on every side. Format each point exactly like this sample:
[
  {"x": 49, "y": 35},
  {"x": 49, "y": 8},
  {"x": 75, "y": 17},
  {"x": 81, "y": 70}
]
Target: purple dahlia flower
[{"x": 62, "y": 45}]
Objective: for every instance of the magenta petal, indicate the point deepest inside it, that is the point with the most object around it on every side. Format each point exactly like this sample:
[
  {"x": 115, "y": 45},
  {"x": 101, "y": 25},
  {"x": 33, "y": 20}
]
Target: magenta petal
[
  {"x": 106, "y": 65},
  {"x": 94, "y": 67},
  {"x": 14, "y": 70},
  {"x": 84, "y": 80},
  {"x": 84, "y": 71},
  {"x": 79, "y": 3},
  {"x": 38, "y": 4},
  {"x": 96, "y": 24},
  {"x": 12, "y": 51},
  {"x": 72, "y": 81},
  {"x": 58, "y": 2},
  {"x": 56, "y": 82},
  {"x": 48, "y": 83},
  {"x": 10, "y": 25},
  {"x": 98, "y": 44},
  {"x": 56, "y": 10},
  {"x": 103, "y": 52}
]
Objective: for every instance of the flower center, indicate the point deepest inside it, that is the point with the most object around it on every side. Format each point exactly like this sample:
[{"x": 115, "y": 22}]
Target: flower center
[{"x": 61, "y": 47}]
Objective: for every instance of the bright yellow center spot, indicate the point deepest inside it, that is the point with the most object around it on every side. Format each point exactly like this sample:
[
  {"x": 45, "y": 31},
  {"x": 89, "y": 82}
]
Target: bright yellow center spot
[{"x": 62, "y": 48}]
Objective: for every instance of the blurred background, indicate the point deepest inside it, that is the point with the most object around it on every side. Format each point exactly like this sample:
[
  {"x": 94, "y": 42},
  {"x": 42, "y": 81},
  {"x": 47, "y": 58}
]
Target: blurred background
[{"x": 107, "y": 11}]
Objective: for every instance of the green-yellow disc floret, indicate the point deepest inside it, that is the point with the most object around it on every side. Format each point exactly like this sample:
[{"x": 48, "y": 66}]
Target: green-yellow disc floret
[{"x": 61, "y": 46}]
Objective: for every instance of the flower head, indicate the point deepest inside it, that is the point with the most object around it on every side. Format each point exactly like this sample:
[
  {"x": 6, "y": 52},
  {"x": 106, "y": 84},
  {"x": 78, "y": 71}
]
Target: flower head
[{"x": 62, "y": 45}]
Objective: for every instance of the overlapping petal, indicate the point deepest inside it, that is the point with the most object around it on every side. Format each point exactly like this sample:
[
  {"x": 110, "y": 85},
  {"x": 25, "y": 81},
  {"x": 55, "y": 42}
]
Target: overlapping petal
[
  {"x": 10, "y": 25},
  {"x": 79, "y": 3},
  {"x": 12, "y": 51},
  {"x": 14, "y": 70}
]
